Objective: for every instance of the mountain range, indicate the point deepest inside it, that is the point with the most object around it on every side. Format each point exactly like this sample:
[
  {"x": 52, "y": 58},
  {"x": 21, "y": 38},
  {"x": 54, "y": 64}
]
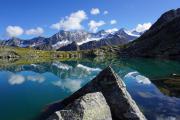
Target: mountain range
[
  {"x": 162, "y": 40},
  {"x": 75, "y": 40}
]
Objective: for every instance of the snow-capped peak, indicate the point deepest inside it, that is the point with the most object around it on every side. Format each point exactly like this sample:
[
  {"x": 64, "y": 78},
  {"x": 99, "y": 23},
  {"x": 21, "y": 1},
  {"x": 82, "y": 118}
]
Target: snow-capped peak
[
  {"x": 112, "y": 31},
  {"x": 132, "y": 33},
  {"x": 81, "y": 37},
  {"x": 61, "y": 43},
  {"x": 94, "y": 37},
  {"x": 90, "y": 39}
]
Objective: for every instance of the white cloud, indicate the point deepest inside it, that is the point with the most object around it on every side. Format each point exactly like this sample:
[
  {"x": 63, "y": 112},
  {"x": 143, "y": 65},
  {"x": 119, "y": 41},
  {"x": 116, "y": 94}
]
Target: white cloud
[
  {"x": 36, "y": 78},
  {"x": 16, "y": 79},
  {"x": 138, "y": 78},
  {"x": 105, "y": 12},
  {"x": 13, "y": 31},
  {"x": 112, "y": 30},
  {"x": 143, "y": 80},
  {"x": 113, "y": 22},
  {"x": 36, "y": 31},
  {"x": 71, "y": 85},
  {"x": 93, "y": 25},
  {"x": 143, "y": 27},
  {"x": 146, "y": 94},
  {"x": 95, "y": 11},
  {"x": 72, "y": 22}
]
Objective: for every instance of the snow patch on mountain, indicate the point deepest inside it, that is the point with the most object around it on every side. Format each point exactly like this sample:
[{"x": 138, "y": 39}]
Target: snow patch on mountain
[
  {"x": 60, "y": 44},
  {"x": 132, "y": 33},
  {"x": 112, "y": 31},
  {"x": 95, "y": 37},
  {"x": 23, "y": 45},
  {"x": 81, "y": 37},
  {"x": 89, "y": 69},
  {"x": 62, "y": 65},
  {"x": 89, "y": 39},
  {"x": 64, "y": 38}
]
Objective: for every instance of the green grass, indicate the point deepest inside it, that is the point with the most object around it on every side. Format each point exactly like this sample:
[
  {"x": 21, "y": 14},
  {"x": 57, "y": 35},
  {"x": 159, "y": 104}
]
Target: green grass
[
  {"x": 32, "y": 53},
  {"x": 29, "y": 52},
  {"x": 29, "y": 55}
]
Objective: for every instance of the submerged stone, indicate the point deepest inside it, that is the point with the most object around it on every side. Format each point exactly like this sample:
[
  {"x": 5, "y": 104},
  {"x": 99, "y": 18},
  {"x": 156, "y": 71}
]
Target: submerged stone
[{"x": 121, "y": 105}]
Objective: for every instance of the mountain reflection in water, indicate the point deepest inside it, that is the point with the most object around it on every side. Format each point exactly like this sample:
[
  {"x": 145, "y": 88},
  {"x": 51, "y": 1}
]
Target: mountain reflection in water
[{"x": 33, "y": 86}]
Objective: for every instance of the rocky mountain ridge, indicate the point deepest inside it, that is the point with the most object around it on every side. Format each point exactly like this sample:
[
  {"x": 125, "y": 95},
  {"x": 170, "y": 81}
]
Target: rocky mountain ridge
[
  {"x": 161, "y": 40},
  {"x": 83, "y": 39}
]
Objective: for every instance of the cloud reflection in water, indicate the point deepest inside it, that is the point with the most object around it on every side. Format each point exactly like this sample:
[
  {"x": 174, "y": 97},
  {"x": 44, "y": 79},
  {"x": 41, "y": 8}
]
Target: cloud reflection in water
[
  {"x": 77, "y": 77},
  {"x": 71, "y": 85},
  {"x": 138, "y": 78},
  {"x": 17, "y": 79}
]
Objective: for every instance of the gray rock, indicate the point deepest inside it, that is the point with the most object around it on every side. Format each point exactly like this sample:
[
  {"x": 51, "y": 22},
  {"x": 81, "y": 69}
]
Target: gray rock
[
  {"x": 70, "y": 47},
  {"x": 122, "y": 106},
  {"x": 8, "y": 54},
  {"x": 91, "y": 106}
]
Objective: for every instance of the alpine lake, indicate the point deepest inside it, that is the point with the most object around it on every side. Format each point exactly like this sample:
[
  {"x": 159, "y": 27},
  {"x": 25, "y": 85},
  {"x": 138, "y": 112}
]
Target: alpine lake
[{"x": 27, "y": 88}]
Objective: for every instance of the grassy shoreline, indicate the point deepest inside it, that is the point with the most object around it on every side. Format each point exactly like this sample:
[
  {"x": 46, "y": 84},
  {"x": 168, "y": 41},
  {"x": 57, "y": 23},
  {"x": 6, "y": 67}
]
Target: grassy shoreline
[
  {"x": 18, "y": 56},
  {"x": 33, "y": 53}
]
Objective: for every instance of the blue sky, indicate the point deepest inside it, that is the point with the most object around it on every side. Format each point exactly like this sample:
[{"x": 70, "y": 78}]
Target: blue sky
[{"x": 30, "y": 18}]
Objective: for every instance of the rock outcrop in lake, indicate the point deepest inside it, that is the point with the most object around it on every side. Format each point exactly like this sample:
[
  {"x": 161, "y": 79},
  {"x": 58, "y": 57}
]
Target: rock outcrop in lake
[
  {"x": 161, "y": 40},
  {"x": 104, "y": 98}
]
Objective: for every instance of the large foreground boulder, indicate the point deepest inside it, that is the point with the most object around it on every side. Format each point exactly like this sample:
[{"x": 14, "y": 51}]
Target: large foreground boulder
[
  {"x": 121, "y": 105},
  {"x": 91, "y": 106}
]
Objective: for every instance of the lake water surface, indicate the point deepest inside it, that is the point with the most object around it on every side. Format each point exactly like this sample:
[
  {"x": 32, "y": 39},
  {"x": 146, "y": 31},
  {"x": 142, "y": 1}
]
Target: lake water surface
[{"x": 26, "y": 89}]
